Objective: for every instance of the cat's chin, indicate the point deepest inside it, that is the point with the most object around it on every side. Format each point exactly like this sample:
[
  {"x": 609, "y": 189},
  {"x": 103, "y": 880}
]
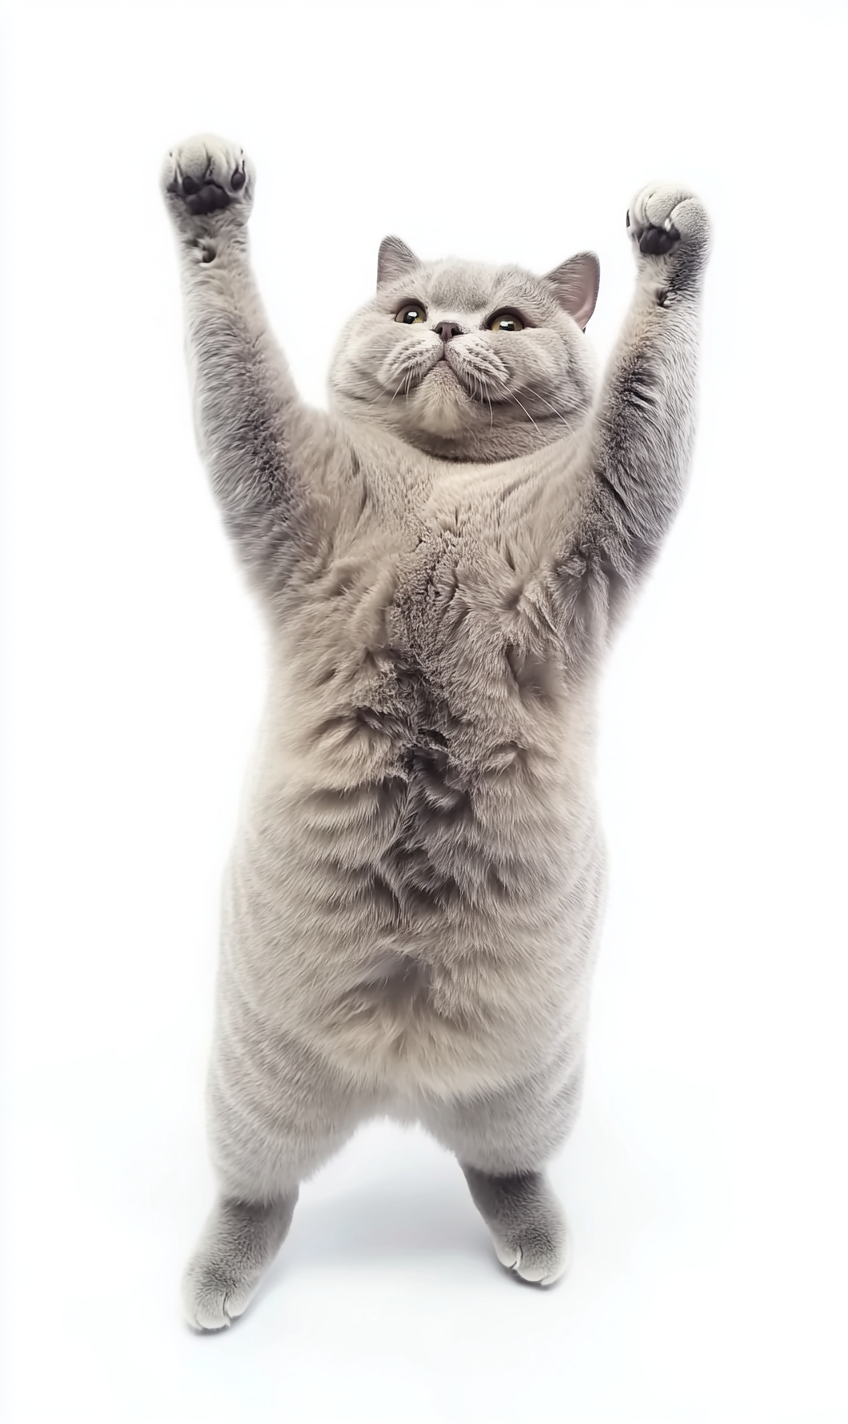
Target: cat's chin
[{"x": 440, "y": 405}]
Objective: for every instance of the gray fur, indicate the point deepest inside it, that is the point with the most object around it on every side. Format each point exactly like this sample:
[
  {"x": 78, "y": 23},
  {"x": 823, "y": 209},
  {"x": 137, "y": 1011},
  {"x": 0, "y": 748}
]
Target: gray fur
[{"x": 412, "y": 905}]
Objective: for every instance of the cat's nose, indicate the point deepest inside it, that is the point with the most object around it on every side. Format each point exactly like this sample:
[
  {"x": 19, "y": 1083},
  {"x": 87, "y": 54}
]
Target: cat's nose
[{"x": 447, "y": 330}]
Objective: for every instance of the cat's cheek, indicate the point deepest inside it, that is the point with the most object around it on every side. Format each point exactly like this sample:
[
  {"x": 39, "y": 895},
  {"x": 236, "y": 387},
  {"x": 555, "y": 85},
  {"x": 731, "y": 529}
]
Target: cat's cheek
[
  {"x": 404, "y": 369},
  {"x": 388, "y": 375}
]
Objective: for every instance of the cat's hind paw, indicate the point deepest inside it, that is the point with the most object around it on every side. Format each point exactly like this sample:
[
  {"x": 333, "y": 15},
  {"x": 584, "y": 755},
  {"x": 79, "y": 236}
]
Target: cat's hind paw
[
  {"x": 529, "y": 1231},
  {"x": 238, "y": 1243},
  {"x": 538, "y": 1250}
]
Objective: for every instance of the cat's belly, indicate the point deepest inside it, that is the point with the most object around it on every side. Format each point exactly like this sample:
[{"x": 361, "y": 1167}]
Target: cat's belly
[{"x": 428, "y": 929}]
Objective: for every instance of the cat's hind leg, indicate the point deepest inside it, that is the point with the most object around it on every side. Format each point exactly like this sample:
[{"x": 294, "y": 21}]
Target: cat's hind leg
[
  {"x": 502, "y": 1140},
  {"x": 528, "y": 1226},
  {"x": 239, "y": 1241},
  {"x": 277, "y": 1113}
]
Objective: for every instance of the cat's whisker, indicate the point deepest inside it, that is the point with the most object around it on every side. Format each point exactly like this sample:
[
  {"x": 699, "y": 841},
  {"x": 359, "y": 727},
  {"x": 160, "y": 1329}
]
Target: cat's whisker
[
  {"x": 488, "y": 399},
  {"x": 391, "y": 402},
  {"x": 557, "y": 413},
  {"x": 491, "y": 413},
  {"x": 481, "y": 393},
  {"x": 510, "y": 396}
]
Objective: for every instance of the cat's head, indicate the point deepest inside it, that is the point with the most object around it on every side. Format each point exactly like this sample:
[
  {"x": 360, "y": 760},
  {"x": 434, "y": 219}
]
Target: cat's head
[{"x": 470, "y": 362}]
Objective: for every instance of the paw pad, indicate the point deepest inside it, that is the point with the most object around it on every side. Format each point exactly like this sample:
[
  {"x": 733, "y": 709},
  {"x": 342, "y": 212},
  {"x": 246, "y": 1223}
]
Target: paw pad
[
  {"x": 657, "y": 241},
  {"x": 204, "y": 197}
]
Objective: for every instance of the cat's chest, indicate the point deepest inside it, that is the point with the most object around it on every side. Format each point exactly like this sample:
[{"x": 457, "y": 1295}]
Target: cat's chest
[
  {"x": 428, "y": 639},
  {"x": 419, "y": 603}
]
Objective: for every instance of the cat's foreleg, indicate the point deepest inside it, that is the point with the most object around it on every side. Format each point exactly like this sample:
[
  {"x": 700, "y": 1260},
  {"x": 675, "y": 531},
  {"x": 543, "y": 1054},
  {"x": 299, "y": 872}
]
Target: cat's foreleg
[
  {"x": 246, "y": 409},
  {"x": 641, "y": 443}
]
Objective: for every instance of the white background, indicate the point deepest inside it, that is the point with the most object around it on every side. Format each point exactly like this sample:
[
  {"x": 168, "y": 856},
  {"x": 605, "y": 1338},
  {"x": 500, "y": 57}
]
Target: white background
[{"x": 706, "y": 1181}]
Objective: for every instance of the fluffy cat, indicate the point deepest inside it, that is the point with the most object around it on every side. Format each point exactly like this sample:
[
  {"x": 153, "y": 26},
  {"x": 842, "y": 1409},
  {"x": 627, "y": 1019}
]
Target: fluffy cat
[{"x": 412, "y": 904}]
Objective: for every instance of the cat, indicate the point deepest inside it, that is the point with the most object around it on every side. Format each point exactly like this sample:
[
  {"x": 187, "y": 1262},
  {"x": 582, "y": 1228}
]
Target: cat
[{"x": 412, "y": 905}]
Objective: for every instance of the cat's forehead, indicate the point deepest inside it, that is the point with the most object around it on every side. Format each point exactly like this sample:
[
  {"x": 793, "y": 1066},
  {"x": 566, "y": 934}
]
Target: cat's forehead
[{"x": 454, "y": 285}]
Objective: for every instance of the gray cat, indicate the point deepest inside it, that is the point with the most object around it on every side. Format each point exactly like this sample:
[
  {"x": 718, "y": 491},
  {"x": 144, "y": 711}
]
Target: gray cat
[{"x": 412, "y": 905}]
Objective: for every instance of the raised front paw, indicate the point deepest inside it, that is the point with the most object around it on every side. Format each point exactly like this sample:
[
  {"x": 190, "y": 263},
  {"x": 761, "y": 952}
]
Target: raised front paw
[
  {"x": 206, "y": 181},
  {"x": 667, "y": 222}
]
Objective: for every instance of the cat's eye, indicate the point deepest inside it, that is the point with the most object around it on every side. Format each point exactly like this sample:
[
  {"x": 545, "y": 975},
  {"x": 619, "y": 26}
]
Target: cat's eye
[
  {"x": 505, "y": 321},
  {"x": 410, "y": 314}
]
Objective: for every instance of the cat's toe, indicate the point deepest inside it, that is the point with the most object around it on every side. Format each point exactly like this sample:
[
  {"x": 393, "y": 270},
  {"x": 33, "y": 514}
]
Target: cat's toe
[
  {"x": 206, "y": 1310},
  {"x": 538, "y": 1251},
  {"x": 211, "y": 1303}
]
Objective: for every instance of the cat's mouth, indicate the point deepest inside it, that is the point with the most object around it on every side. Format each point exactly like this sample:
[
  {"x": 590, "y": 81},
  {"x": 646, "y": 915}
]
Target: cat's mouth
[
  {"x": 441, "y": 381},
  {"x": 464, "y": 371},
  {"x": 481, "y": 373},
  {"x": 452, "y": 370},
  {"x": 444, "y": 374}
]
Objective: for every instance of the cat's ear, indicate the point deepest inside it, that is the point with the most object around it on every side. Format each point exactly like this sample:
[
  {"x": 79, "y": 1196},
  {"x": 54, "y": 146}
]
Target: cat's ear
[
  {"x": 394, "y": 260},
  {"x": 576, "y": 285}
]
